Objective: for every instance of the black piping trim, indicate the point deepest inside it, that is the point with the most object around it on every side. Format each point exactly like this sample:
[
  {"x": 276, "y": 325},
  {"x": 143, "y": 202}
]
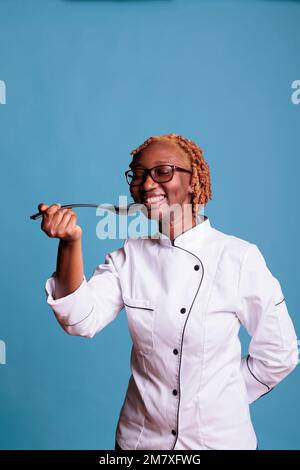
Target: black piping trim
[
  {"x": 179, "y": 391},
  {"x": 73, "y": 324},
  {"x": 269, "y": 389},
  {"x": 263, "y": 394},
  {"x": 280, "y": 302},
  {"x": 141, "y": 308}
]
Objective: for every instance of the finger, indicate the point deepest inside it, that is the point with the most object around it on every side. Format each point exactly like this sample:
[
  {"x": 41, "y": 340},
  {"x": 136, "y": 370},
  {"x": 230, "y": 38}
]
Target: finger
[
  {"x": 51, "y": 220},
  {"x": 53, "y": 208},
  {"x": 72, "y": 225},
  {"x": 65, "y": 219},
  {"x": 57, "y": 217},
  {"x": 72, "y": 222},
  {"x": 42, "y": 206},
  {"x": 68, "y": 229}
]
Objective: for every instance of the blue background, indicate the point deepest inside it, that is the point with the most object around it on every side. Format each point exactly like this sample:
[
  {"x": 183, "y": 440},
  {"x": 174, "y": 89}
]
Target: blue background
[{"x": 88, "y": 81}]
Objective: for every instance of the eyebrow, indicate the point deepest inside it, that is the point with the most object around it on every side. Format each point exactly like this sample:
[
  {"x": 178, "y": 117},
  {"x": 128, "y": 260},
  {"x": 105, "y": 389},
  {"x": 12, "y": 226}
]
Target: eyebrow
[{"x": 155, "y": 161}]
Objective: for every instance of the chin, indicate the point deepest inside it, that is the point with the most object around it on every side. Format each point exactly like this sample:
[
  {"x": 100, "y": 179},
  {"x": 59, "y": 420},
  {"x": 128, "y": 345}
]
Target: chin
[{"x": 157, "y": 213}]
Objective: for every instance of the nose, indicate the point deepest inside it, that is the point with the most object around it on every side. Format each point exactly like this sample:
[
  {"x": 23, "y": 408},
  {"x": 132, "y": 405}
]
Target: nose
[{"x": 149, "y": 183}]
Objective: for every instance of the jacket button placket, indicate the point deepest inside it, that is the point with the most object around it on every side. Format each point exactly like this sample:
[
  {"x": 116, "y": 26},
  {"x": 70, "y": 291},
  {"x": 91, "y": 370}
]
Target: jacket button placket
[{"x": 175, "y": 351}]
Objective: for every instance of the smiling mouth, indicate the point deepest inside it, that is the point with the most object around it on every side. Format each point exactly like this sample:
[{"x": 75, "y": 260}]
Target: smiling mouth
[{"x": 154, "y": 200}]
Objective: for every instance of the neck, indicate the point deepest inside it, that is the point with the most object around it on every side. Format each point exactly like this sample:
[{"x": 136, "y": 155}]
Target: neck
[{"x": 173, "y": 227}]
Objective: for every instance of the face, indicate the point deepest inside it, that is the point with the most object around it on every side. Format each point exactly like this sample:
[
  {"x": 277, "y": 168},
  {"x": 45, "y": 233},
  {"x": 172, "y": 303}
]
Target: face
[{"x": 176, "y": 191}]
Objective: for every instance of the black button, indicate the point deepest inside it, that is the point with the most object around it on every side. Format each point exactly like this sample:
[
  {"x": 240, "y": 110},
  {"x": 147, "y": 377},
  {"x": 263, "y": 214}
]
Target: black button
[
  {"x": 175, "y": 351},
  {"x": 196, "y": 267},
  {"x": 183, "y": 310},
  {"x": 173, "y": 432},
  {"x": 174, "y": 392}
]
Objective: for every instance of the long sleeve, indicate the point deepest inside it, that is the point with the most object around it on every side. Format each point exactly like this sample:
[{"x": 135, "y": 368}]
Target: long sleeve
[
  {"x": 93, "y": 305},
  {"x": 262, "y": 310}
]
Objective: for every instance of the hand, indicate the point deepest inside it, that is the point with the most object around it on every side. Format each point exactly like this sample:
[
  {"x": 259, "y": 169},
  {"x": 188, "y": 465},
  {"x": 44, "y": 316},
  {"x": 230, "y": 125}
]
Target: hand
[{"x": 60, "y": 223}]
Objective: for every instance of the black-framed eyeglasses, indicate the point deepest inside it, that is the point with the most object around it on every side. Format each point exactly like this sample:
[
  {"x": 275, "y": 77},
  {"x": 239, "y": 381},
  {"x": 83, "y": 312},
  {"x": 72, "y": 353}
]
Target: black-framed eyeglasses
[{"x": 159, "y": 174}]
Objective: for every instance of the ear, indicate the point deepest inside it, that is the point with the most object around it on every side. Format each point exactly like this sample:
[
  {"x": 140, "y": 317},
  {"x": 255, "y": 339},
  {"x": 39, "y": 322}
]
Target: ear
[{"x": 190, "y": 190}]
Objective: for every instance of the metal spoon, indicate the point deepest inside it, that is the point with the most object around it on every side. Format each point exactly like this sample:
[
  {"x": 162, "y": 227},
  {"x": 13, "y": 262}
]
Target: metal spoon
[{"x": 115, "y": 209}]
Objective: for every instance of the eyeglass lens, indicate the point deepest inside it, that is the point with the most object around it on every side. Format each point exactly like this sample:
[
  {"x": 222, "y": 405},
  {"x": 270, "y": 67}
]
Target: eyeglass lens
[{"x": 160, "y": 174}]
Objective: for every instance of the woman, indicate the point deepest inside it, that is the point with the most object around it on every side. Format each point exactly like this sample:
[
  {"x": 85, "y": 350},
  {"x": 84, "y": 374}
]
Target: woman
[{"x": 186, "y": 292}]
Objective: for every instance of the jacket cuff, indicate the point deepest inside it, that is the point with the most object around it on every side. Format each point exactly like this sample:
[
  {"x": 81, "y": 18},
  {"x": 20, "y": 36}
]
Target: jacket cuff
[
  {"x": 255, "y": 387},
  {"x": 74, "y": 307}
]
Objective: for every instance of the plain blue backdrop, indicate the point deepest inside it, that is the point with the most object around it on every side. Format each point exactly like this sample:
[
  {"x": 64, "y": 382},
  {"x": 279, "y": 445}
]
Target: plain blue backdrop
[{"x": 86, "y": 82}]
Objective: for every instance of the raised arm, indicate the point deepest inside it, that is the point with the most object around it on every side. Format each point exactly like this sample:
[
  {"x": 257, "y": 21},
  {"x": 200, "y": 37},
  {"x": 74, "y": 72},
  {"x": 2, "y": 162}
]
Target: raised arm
[
  {"x": 62, "y": 224},
  {"x": 82, "y": 307}
]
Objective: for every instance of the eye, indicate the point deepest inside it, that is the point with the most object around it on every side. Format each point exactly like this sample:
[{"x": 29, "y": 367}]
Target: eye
[
  {"x": 163, "y": 170},
  {"x": 138, "y": 173}
]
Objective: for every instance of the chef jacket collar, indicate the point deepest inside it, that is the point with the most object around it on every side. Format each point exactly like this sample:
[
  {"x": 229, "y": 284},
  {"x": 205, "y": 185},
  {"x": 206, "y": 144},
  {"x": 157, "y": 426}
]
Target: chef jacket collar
[{"x": 193, "y": 235}]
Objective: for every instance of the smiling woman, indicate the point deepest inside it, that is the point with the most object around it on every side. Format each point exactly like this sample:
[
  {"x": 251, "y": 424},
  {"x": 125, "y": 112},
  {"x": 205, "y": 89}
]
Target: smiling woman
[
  {"x": 176, "y": 149},
  {"x": 179, "y": 181},
  {"x": 185, "y": 294}
]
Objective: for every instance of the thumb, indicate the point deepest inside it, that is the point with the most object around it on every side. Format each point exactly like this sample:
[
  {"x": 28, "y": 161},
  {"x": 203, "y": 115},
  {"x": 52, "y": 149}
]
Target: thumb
[{"x": 42, "y": 207}]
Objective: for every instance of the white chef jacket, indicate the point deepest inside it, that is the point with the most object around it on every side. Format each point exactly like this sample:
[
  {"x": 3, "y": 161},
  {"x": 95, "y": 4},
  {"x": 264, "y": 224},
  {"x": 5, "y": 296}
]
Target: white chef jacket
[{"x": 185, "y": 301}]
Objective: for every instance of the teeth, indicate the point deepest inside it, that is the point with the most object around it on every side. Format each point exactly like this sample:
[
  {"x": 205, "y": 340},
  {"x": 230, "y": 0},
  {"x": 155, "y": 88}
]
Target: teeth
[{"x": 154, "y": 199}]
